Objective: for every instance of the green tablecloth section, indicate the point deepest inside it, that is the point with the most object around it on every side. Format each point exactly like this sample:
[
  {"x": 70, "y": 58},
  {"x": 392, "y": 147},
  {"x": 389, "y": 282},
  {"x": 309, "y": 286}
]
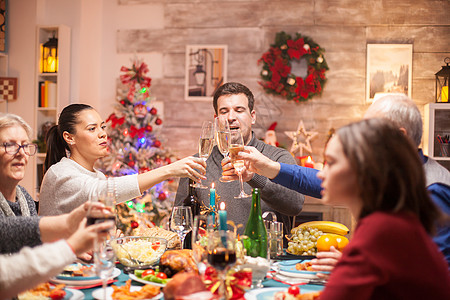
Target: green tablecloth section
[{"x": 122, "y": 279}]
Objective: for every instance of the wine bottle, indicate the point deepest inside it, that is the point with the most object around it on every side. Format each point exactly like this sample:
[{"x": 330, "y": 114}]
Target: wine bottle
[
  {"x": 255, "y": 231},
  {"x": 191, "y": 201}
]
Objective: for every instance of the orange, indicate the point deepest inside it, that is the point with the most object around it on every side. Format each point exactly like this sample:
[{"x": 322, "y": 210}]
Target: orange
[
  {"x": 325, "y": 241},
  {"x": 342, "y": 242}
]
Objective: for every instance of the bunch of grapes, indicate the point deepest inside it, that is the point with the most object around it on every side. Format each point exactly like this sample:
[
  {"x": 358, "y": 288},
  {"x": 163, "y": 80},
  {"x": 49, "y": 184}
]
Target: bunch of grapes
[{"x": 303, "y": 241}]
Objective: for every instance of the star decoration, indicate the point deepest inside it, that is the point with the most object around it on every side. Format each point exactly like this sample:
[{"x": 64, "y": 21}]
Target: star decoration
[{"x": 301, "y": 139}]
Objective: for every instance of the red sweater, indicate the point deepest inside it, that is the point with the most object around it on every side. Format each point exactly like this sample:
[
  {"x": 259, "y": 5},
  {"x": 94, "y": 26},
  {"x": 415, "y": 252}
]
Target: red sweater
[{"x": 389, "y": 257}]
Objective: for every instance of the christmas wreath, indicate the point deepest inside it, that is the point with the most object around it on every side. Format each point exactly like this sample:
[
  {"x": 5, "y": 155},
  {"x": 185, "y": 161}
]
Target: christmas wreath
[{"x": 276, "y": 70}]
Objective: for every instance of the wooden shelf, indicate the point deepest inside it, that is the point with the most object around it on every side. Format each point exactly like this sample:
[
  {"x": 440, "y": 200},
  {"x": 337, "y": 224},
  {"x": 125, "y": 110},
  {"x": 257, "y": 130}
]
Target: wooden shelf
[
  {"x": 50, "y": 114},
  {"x": 436, "y": 121}
]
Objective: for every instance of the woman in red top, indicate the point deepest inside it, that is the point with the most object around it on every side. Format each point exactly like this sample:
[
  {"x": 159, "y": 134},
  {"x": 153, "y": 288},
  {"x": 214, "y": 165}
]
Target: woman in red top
[{"x": 373, "y": 168}]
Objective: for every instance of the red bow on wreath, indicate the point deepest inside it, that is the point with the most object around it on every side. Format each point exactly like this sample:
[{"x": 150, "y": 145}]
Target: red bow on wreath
[
  {"x": 135, "y": 131},
  {"x": 296, "y": 48},
  {"x": 115, "y": 121}
]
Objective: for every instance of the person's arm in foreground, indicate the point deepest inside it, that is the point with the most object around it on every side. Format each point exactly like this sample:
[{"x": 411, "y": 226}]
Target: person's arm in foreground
[
  {"x": 192, "y": 167},
  {"x": 32, "y": 266},
  {"x": 20, "y": 231},
  {"x": 301, "y": 179},
  {"x": 281, "y": 199}
]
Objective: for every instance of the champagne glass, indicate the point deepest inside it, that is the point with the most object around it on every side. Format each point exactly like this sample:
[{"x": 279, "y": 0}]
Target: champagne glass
[
  {"x": 223, "y": 136},
  {"x": 181, "y": 221},
  {"x": 104, "y": 262},
  {"x": 237, "y": 145},
  {"x": 222, "y": 255},
  {"x": 205, "y": 145},
  {"x": 104, "y": 258},
  {"x": 203, "y": 225}
]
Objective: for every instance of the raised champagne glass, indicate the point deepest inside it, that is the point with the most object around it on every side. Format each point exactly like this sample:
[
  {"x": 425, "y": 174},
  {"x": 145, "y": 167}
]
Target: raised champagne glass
[
  {"x": 205, "y": 145},
  {"x": 223, "y": 136},
  {"x": 237, "y": 145}
]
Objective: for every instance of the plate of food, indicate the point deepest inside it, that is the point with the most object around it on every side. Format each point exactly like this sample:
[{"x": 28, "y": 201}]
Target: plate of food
[
  {"x": 46, "y": 291},
  {"x": 150, "y": 276},
  {"x": 310, "y": 292},
  {"x": 83, "y": 281},
  {"x": 128, "y": 291},
  {"x": 78, "y": 271},
  {"x": 297, "y": 268}
]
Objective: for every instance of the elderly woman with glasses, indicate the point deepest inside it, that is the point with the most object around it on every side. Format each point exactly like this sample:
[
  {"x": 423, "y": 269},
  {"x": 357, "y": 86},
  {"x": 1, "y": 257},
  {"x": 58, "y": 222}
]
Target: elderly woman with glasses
[{"x": 15, "y": 150}]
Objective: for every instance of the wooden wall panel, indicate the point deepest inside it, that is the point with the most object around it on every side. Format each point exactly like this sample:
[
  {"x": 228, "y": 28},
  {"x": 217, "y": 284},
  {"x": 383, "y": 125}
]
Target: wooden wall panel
[{"x": 248, "y": 27}]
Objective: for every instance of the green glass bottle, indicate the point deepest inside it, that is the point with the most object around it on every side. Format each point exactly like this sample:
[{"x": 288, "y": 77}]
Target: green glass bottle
[{"x": 256, "y": 235}]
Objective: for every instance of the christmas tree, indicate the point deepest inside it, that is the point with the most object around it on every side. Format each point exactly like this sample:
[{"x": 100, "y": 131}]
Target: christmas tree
[{"x": 135, "y": 148}]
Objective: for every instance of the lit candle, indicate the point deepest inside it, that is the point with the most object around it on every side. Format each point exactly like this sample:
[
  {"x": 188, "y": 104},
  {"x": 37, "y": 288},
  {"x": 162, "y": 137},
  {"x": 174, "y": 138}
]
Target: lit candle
[
  {"x": 222, "y": 216},
  {"x": 212, "y": 197},
  {"x": 444, "y": 94},
  {"x": 309, "y": 163}
]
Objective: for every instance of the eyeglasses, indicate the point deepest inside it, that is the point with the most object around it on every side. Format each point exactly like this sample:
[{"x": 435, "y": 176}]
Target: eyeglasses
[{"x": 13, "y": 148}]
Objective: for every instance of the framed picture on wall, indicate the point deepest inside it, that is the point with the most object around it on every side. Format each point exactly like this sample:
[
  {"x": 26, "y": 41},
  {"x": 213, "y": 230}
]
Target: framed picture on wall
[
  {"x": 389, "y": 70},
  {"x": 3, "y": 25},
  {"x": 206, "y": 69}
]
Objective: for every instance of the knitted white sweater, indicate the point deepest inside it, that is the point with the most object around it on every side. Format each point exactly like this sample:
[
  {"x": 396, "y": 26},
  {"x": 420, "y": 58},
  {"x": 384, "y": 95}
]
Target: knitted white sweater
[{"x": 67, "y": 185}]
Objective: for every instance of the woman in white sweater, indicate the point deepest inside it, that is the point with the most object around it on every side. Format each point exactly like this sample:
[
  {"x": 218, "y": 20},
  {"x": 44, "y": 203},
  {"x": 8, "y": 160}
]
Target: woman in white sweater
[{"x": 71, "y": 181}]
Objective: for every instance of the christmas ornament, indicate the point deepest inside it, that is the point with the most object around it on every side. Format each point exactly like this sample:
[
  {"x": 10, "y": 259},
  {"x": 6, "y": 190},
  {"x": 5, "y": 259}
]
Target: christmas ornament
[
  {"x": 158, "y": 121},
  {"x": 162, "y": 196},
  {"x": 277, "y": 67},
  {"x": 134, "y": 224},
  {"x": 140, "y": 110},
  {"x": 153, "y": 111},
  {"x": 301, "y": 139}
]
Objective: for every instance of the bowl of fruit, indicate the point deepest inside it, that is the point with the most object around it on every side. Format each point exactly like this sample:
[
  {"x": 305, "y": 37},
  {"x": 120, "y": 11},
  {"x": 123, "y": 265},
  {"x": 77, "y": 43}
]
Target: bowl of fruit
[{"x": 311, "y": 237}]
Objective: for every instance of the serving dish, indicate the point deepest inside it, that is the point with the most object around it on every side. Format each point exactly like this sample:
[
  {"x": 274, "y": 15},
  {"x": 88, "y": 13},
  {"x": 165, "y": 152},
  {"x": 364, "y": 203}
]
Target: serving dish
[{"x": 139, "y": 251}]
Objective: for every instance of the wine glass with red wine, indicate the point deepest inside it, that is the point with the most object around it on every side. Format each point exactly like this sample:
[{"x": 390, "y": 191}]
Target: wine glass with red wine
[
  {"x": 106, "y": 194},
  {"x": 104, "y": 258},
  {"x": 222, "y": 254}
]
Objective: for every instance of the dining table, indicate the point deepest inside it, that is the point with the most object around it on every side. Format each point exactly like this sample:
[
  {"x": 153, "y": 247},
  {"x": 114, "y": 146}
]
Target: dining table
[{"x": 269, "y": 283}]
